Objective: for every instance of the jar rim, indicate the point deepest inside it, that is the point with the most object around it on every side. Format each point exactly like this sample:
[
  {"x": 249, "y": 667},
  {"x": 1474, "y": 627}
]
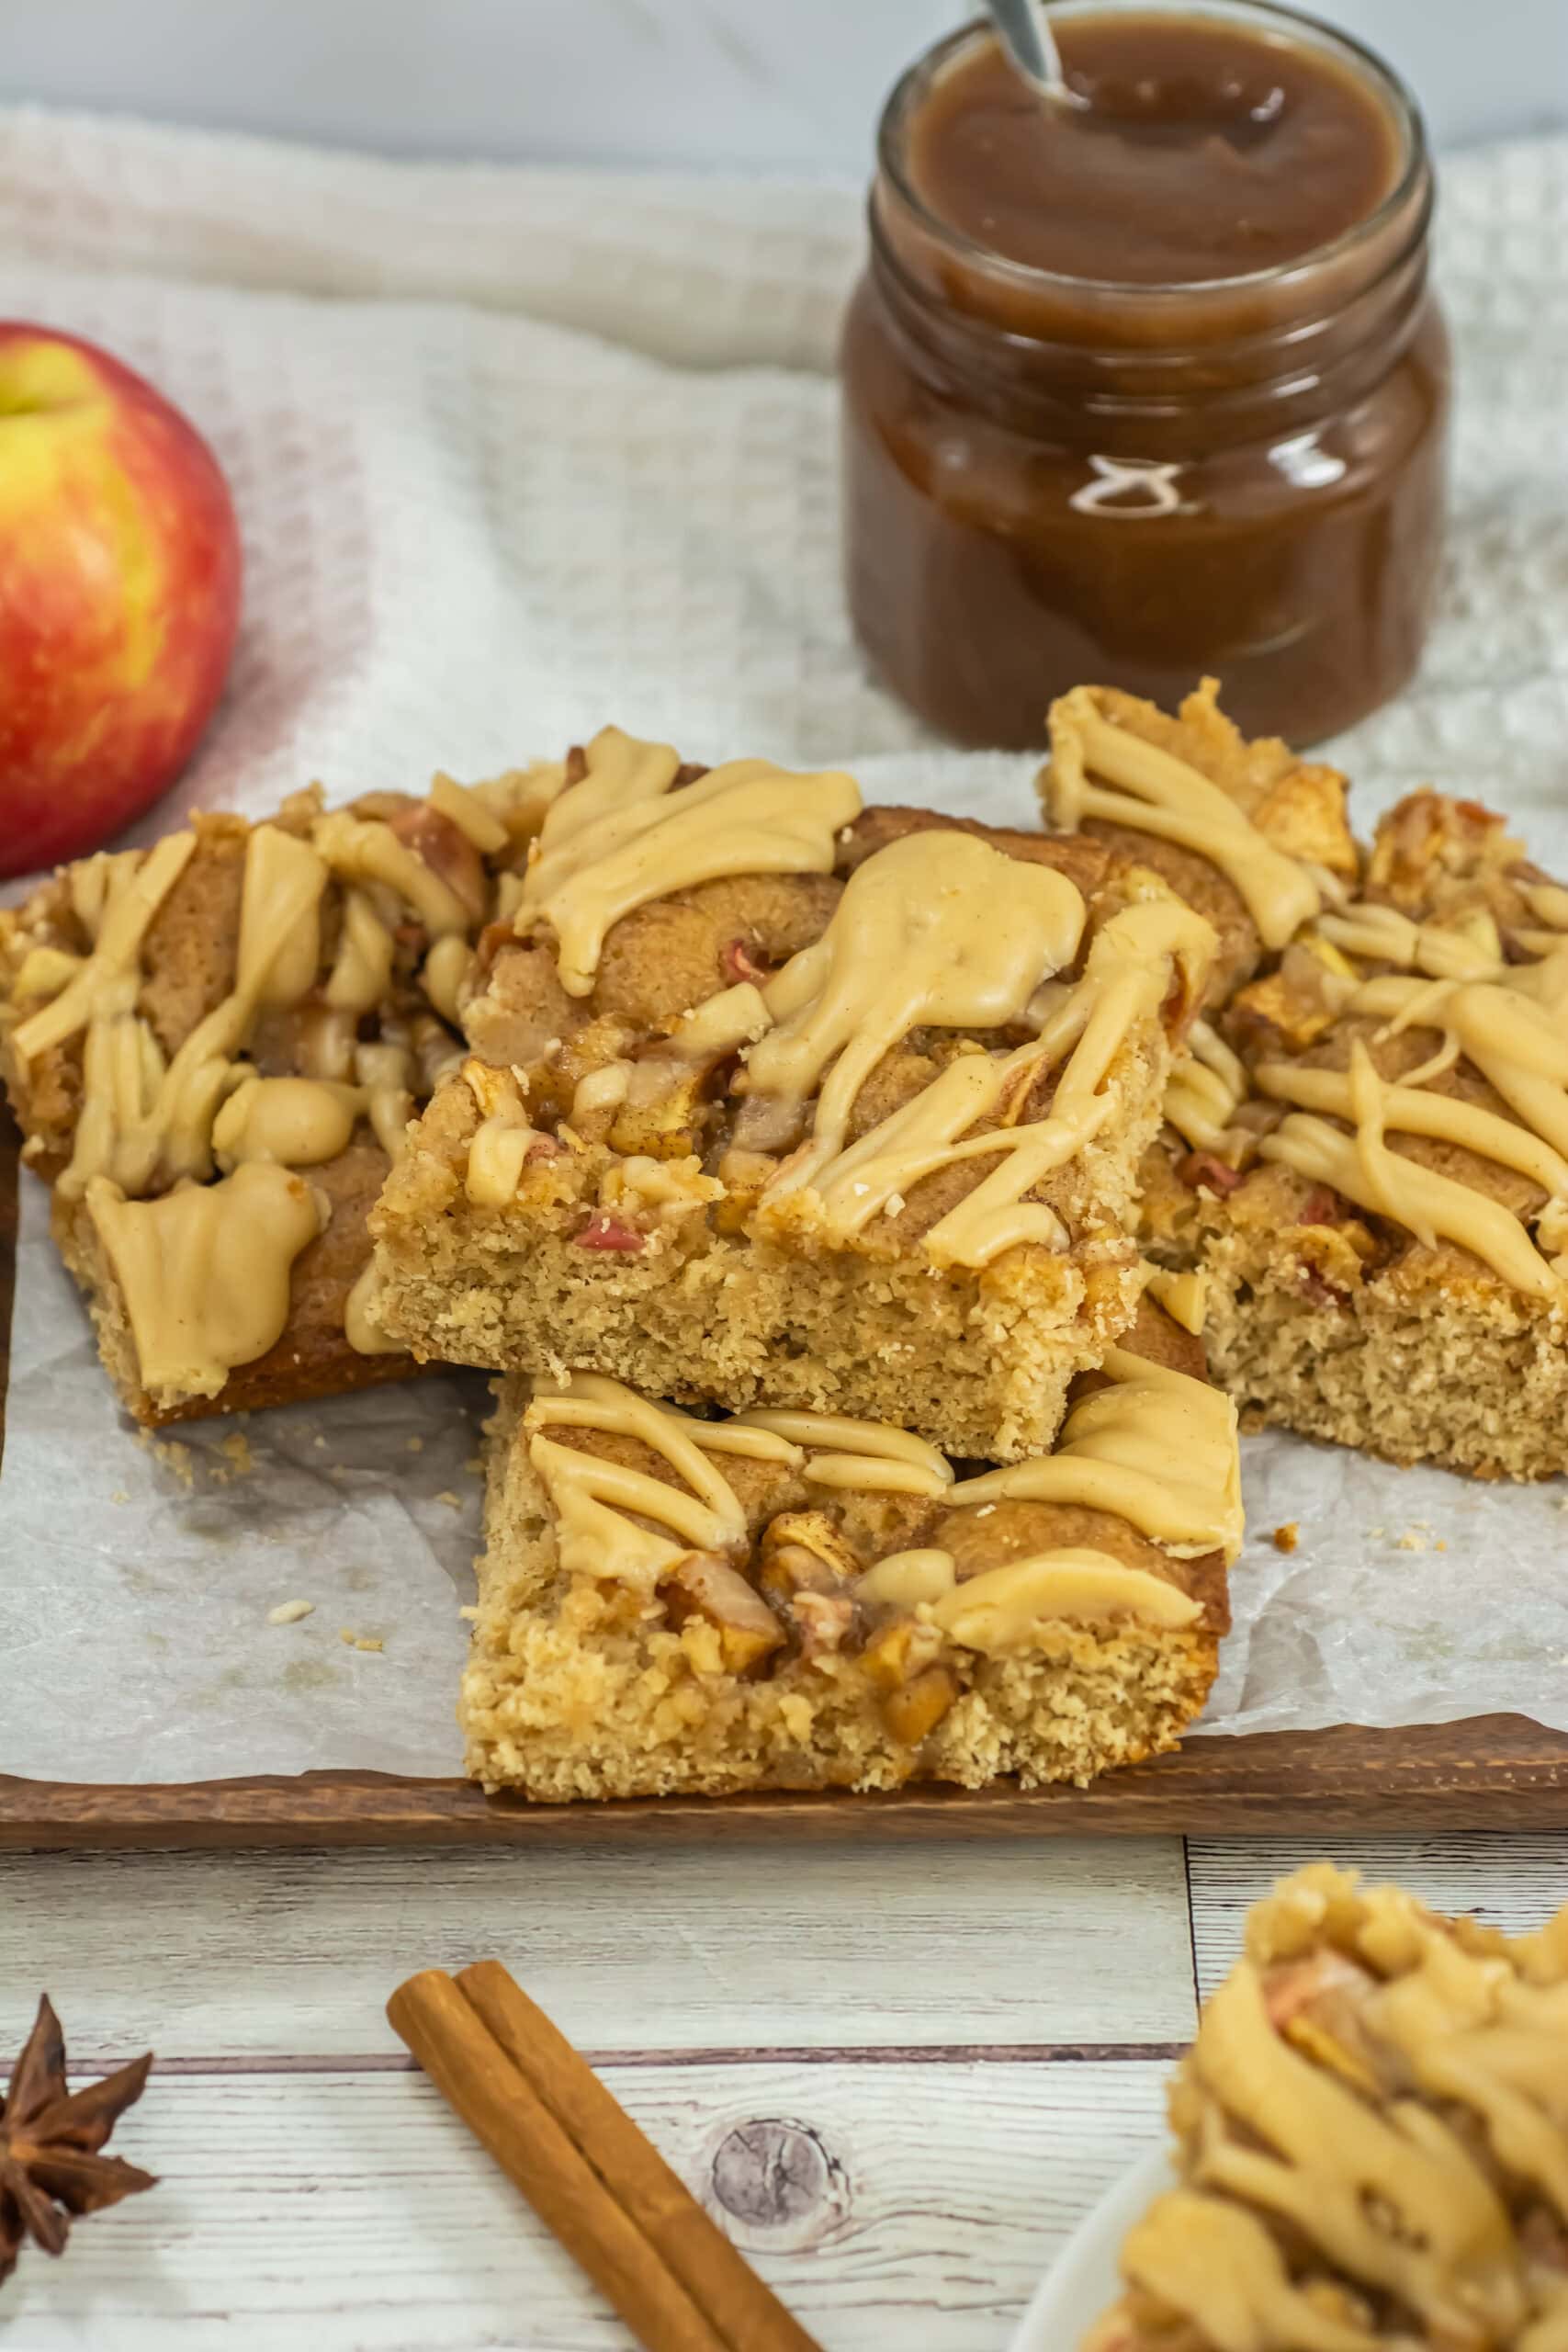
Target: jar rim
[{"x": 916, "y": 81}]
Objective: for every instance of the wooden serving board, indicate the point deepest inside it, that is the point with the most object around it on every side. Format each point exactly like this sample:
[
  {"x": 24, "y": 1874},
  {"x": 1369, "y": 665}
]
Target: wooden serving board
[{"x": 1495, "y": 1773}]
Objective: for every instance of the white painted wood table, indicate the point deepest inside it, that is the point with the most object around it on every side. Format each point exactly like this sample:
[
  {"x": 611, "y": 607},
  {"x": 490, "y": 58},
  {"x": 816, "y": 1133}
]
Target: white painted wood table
[{"x": 898, "y": 2074}]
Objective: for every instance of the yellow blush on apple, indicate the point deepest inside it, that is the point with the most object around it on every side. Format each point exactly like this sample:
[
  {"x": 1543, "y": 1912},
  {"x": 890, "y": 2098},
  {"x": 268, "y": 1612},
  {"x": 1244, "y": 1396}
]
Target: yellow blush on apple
[{"x": 120, "y": 595}]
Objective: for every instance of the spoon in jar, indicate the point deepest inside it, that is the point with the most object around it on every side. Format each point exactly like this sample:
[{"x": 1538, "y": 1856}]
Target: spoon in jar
[{"x": 1031, "y": 50}]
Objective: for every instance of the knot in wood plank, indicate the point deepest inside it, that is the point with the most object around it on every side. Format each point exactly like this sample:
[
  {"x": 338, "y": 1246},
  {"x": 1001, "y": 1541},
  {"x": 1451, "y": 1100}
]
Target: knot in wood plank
[{"x": 775, "y": 2175}]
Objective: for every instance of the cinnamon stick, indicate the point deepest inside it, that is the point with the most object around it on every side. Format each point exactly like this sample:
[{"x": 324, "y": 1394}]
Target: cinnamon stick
[
  {"x": 584, "y": 2166},
  {"x": 475, "y": 2075},
  {"x": 744, "y": 2314}
]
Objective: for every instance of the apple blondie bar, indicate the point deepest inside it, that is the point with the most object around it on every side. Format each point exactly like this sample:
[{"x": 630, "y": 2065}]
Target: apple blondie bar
[
  {"x": 1372, "y": 2142},
  {"x": 772, "y": 1100},
  {"x": 212, "y": 1047},
  {"x": 796, "y": 1599},
  {"x": 1374, "y": 1183}
]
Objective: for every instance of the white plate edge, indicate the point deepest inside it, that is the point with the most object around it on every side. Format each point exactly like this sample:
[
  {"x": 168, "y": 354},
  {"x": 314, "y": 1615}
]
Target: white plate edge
[{"x": 1084, "y": 2281}]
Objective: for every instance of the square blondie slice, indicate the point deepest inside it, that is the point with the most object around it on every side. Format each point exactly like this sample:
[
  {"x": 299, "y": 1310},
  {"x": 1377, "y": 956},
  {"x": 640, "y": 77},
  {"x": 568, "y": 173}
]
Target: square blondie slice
[
  {"x": 773, "y": 1101},
  {"x": 212, "y": 1047},
  {"x": 1376, "y": 1193},
  {"x": 796, "y": 1600},
  {"x": 1371, "y": 2146}
]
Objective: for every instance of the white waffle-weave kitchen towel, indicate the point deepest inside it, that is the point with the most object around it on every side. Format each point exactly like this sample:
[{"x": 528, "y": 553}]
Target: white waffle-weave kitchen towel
[
  {"x": 519, "y": 450},
  {"x": 516, "y": 452}
]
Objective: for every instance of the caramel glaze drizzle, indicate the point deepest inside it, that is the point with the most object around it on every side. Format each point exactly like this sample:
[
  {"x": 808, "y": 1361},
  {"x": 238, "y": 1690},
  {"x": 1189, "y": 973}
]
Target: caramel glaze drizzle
[
  {"x": 1156, "y": 1447},
  {"x": 1338, "y": 2163},
  {"x": 1152, "y": 791},
  {"x": 1206, "y": 1088},
  {"x": 203, "y": 1267},
  {"x": 995, "y": 908},
  {"x": 1153, "y": 1447},
  {"x": 936, "y": 930},
  {"x": 625, "y": 835},
  {"x": 203, "y": 1271},
  {"x": 1507, "y": 1021}
]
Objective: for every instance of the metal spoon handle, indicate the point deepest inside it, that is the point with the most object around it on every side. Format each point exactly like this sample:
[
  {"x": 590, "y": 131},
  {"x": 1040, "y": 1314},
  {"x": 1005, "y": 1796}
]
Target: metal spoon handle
[{"x": 1030, "y": 46}]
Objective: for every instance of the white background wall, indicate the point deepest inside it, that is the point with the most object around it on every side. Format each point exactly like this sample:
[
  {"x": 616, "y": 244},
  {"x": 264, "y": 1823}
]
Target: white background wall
[{"x": 770, "y": 84}]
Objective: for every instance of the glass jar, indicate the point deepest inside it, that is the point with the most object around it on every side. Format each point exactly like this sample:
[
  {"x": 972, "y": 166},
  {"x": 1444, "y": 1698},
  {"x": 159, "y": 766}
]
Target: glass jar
[{"x": 1052, "y": 480}]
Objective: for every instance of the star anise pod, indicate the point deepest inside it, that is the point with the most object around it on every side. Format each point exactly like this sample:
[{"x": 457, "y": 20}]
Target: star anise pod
[{"x": 49, "y": 2141}]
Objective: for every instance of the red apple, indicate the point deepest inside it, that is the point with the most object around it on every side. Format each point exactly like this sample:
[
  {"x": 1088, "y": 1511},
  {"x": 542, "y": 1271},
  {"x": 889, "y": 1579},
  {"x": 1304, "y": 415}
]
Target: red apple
[{"x": 120, "y": 595}]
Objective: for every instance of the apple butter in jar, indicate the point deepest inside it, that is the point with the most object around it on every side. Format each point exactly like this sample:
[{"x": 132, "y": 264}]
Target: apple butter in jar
[{"x": 1148, "y": 385}]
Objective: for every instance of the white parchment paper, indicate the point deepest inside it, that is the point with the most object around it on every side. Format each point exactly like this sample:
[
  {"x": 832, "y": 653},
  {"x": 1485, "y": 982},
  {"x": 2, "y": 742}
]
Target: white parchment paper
[{"x": 516, "y": 452}]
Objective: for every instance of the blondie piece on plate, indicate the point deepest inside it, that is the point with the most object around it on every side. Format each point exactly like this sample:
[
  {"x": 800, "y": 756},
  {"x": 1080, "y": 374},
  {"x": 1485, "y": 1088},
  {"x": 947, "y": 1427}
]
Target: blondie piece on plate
[
  {"x": 774, "y": 1100},
  {"x": 212, "y": 1047},
  {"x": 1375, "y": 1185},
  {"x": 793, "y": 1599},
  {"x": 1372, "y": 2142}
]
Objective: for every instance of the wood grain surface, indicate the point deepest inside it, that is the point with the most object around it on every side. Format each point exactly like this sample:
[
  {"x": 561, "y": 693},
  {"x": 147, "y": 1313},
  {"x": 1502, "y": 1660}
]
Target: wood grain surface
[
  {"x": 242, "y": 1955},
  {"x": 1490, "y": 1772},
  {"x": 886, "y": 2204}
]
